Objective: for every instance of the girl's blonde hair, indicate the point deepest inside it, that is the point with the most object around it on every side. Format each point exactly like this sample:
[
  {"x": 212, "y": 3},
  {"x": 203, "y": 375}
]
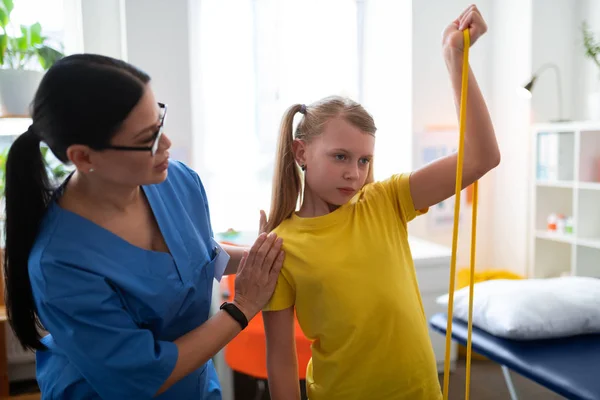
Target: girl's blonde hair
[{"x": 287, "y": 182}]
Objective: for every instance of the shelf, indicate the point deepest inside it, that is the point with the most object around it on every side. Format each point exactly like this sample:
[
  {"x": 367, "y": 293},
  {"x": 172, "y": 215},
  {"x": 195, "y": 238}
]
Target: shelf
[
  {"x": 567, "y": 126},
  {"x": 593, "y": 243},
  {"x": 566, "y": 180},
  {"x": 13, "y": 126},
  {"x": 569, "y": 185},
  {"x": 556, "y": 184},
  {"x": 557, "y": 237},
  {"x": 589, "y": 185},
  {"x": 552, "y": 200}
]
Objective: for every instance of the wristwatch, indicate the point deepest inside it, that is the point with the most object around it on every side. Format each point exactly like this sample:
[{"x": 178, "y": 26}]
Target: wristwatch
[{"x": 235, "y": 313}]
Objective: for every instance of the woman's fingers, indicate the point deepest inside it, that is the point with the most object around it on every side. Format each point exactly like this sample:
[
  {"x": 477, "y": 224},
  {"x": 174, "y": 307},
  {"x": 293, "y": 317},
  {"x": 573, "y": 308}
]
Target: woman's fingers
[
  {"x": 242, "y": 263},
  {"x": 254, "y": 249},
  {"x": 264, "y": 249},
  {"x": 272, "y": 254},
  {"x": 277, "y": 265}
]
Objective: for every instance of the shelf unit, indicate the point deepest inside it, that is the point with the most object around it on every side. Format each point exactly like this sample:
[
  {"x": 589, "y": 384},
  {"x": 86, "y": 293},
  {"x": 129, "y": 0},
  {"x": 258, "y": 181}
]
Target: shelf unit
[{"x": 565, "y": 180}]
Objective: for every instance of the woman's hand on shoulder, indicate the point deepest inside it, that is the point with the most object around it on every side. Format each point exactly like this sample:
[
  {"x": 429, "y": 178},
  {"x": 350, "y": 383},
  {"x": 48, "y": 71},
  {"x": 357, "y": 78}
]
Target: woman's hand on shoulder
[{"x": 258, "y": 271}]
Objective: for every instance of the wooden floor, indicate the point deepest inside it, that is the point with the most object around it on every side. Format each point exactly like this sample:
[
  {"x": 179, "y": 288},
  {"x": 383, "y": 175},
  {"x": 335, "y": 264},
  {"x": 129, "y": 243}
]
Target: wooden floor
[{"x": 487, "y": 383}]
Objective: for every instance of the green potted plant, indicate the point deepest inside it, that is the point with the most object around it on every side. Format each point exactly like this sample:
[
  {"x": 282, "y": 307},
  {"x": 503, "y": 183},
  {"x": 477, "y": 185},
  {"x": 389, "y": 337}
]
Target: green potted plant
[
  {"x": 592, "y": 51},
  {"x": 24, "y": 56},
  {"x": 55, "y": 169}
]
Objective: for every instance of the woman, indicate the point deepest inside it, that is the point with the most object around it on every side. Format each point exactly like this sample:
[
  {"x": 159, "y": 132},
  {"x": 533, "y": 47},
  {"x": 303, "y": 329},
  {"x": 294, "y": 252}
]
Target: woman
[{"x": 117, "y": 264}]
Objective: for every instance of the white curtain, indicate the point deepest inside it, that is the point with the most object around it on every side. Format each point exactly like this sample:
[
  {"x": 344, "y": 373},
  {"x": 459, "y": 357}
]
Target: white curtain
[{"x": 258, "y": 57}]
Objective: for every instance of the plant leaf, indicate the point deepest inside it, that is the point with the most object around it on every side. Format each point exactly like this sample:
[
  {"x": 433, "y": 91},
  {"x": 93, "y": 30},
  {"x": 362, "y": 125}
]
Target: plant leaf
[
  {"x": 3, "y": 18},
  {"x": 6, "y": 8},
  {"x": 9, "y": 5},
  {"x": 3, "y": 46},
  {"x": 21, "y": 43},
  {"x": 47, "y": 56},
  {"x": 35, "y": 34},
  {"x": 592, "y": 47}
]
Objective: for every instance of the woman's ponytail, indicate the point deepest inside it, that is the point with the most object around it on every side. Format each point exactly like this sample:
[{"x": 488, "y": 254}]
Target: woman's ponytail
[{"x": 27, "y": 192}]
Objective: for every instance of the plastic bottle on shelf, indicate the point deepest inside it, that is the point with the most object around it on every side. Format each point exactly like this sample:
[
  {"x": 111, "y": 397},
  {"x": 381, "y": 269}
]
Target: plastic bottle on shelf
[
  {"x": 569, "y": 226},
  {"x": 552, "y": 219},
  {"x": 560, "y": 224}
]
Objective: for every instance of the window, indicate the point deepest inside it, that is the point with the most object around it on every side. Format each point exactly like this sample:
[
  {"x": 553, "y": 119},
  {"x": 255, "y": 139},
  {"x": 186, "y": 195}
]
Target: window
[
  {"x": 49, "y": 13},
  {"x": 258, "y": 57}
]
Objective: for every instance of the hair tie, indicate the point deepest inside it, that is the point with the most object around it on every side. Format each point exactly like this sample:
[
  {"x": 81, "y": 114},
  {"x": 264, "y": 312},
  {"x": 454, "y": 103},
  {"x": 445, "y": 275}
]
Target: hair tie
[
  {"x": 303, "y": 109},
  {"x": 32, "y": 133}
]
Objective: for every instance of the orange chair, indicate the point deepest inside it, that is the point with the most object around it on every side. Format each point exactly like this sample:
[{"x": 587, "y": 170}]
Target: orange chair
[{"x": 246, "y": 353}]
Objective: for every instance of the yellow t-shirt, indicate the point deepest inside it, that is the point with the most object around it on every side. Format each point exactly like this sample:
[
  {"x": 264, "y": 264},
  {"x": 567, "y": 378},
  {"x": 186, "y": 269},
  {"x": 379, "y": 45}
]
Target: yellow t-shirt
[{"x": 351, "y": 277}]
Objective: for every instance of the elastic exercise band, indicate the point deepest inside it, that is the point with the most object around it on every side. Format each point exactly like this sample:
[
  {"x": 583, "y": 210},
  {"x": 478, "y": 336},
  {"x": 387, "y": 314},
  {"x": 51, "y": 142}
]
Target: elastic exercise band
[{"x": 459, "y": 171}]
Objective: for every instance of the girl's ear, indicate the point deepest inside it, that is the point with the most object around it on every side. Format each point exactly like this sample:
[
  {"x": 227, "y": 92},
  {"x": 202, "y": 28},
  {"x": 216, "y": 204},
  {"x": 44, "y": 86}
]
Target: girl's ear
[{"x": 299, "y": 149}]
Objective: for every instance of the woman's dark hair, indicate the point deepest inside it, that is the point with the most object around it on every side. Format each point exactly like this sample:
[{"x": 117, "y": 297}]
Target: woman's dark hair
[{"x": 82, "y": 99}]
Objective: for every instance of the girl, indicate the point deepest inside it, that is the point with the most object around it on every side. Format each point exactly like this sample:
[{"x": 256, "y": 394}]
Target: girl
[{"x": 348, "y": 271}]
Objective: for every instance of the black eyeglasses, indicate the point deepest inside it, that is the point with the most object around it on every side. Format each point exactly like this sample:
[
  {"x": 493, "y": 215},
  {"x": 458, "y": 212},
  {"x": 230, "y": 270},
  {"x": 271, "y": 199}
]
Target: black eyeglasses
[{"x": 157, "y": 135}]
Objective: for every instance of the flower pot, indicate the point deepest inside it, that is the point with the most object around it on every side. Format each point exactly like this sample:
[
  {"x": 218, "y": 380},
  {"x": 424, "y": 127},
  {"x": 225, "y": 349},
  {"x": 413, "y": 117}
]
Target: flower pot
[
  {"x": 17, "y": 90},
  {"x": 594, "y": 106}
]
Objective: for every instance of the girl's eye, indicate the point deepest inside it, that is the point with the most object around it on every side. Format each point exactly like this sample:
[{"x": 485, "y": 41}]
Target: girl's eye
[
  {"x": 340, "y": 157},
  {"x": 365, "y": 161}
]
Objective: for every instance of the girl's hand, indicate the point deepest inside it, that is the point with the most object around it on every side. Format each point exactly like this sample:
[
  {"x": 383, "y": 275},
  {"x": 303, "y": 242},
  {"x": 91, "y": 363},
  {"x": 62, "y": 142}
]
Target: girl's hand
[
  {"x": 471, "y": 19},
  {"x": 262, "y": 226}
]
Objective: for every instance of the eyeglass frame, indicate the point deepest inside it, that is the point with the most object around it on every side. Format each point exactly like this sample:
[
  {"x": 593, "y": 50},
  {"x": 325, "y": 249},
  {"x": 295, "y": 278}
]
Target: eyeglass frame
[{"x": 152, "y": 149}]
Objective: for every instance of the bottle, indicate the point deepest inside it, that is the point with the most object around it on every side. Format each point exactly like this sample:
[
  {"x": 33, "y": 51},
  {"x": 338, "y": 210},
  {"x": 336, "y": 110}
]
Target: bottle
[
  {"x": 569, "y": 225},
  {"x": 560, "y": 224},
  {"x": 552, "y": 222}
]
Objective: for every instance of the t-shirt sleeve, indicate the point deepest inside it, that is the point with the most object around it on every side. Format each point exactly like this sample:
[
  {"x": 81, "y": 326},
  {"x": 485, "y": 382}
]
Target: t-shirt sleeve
[
  {"x": 91, "y": 326},
  {"x": 284, "y": 295},
  {"x": 397, "y": 188}
]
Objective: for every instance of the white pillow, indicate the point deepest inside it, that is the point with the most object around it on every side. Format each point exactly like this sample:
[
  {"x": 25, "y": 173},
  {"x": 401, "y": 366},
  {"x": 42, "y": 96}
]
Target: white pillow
[{"x": 531, "y": 309}]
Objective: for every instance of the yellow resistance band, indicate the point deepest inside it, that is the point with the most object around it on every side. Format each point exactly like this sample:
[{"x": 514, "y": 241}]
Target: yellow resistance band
[{"x": 459, "y": 170}]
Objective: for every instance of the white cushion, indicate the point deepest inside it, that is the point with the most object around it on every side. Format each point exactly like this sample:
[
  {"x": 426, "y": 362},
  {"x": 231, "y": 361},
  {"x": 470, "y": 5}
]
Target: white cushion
[{"x": 531, "y": 309}]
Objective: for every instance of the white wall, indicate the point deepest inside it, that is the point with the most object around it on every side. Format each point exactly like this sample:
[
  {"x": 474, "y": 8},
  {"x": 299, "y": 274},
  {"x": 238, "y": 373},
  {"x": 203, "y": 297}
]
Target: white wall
[
  {"x": 103, "y": 35},
  {"x": 432, "y": 93},
  {"x": 154, "y": 36},
  {"x": 511, "y": 65},
  {"x": 433, "y": 106},
  {"x": 555, "y": 39},
  {"x": 158, "y": 42}
]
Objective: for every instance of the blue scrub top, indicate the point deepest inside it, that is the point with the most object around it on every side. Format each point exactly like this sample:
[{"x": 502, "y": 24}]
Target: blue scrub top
[{"x": 113, "y": 309}]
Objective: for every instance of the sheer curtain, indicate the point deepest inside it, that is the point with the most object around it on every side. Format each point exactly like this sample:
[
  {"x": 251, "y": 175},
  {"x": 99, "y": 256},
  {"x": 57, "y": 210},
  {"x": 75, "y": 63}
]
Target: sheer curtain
[{"x": 258, "y": 57}]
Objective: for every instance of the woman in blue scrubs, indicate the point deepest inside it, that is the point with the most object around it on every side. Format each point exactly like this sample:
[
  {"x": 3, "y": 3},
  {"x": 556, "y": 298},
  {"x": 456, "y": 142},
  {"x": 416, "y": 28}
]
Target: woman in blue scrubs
[{"x": 117, "y": 264}]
